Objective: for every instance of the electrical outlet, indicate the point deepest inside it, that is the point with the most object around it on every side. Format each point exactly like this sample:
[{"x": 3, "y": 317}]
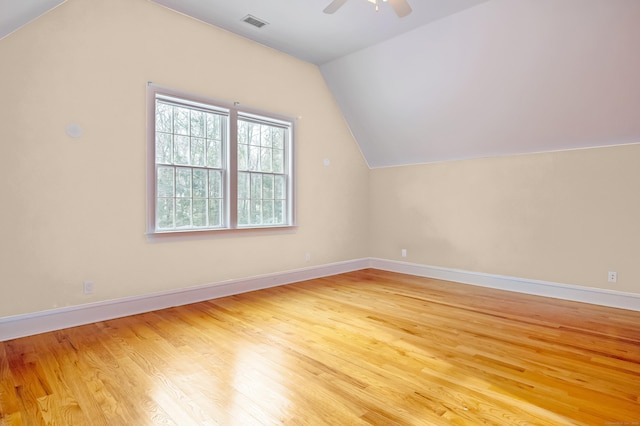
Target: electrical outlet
[
  {"x": 88, "y": 287},
  {"x": 404, "y": 252},
  {"x": 612, "y": 277},
  {"x": 307, "y": 257}
]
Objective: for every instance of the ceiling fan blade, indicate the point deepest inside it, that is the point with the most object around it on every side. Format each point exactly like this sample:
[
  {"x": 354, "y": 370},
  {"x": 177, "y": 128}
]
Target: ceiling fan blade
[
  {"x": 401, "y": 7},
  {"x": 334, "y": 5}
]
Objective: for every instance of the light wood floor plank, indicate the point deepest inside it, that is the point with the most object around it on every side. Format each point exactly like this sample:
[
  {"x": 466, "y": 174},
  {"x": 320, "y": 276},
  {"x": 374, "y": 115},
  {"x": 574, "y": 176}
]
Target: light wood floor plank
[{"x": 368, "y": 347}]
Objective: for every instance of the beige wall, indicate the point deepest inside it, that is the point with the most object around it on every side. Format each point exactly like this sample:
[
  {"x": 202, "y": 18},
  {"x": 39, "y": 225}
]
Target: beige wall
[
  {"x": 566, "y": 217},
  {"x": 74, "y": 209}
]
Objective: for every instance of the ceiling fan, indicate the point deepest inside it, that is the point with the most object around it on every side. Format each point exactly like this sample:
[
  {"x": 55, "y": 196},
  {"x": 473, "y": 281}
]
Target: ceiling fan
[{"x": 401, "y": 7}]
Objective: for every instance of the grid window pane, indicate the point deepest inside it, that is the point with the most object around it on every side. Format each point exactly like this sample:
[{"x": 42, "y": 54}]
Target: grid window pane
[
  {"x": 165, "y": 181},
  {"x": 214, "y": 153},
  {"x": 164, "y": 117},
  {"x": 199, "y": 213},
  {"x": 215, "y": 213},
  {"x": 215, "y": 184},
  {"x": 278, "y": 160},
  {"x": 164, "y": 148},
  {"x": 243, "y": 186},
  {"x": 243, "y": 132},
  {"x": 254, "y": 157},
  {"x": 198, "y": 123},
  {"x": 183, "y": 183},
  {"x": 253, "y": 134},
  {"x": 183, "y": 213},
  {"x": 190, "y": 195},
  {"x": 192, "y": 177},
  {"x": 266, "y": 136},
  {"x": 267, "y": 212},
  {"x": 181, "y": 152},
  {"x": 197, "y": 151},
  {"x": 278, "y": 138},
  {"x": 256, "y": 186},
  {"x": 164, "y": 213},
  {"x": 180, "y": 121},
  {"x": 214, "y": 126},
  {"x": 243, "y": 212},
  {"x": 255, "y": 214},
  {"x": 243, "y": 157},
  {"x": 267, "y": 187},
  {"x": 261, "y": 151},
  {"x": 279, "y": 212},
  {"x": 200, "y": 183},
  {"x": 278, "y": 187},
  {"x": 265, "y": 159}
]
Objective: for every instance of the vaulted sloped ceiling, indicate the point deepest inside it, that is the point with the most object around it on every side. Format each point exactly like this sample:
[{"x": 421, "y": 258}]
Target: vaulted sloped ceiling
[
  {"x": 456, "y": 79},
  {"x": 16, "y": 13},
  {"x": 504, "y": 77}
]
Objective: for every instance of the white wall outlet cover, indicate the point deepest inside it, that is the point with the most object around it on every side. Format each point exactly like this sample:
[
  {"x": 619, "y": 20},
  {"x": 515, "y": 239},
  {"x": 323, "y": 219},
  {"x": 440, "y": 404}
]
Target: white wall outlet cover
[
  {"x": 88, "y": 287},
  {"x": 74, "y": 130},
  {"x": 327, "y": 162}
]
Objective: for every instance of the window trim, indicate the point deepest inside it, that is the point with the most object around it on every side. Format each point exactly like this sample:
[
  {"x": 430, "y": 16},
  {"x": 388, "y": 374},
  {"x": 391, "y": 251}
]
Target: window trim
[{"x": 233, "y": 110}]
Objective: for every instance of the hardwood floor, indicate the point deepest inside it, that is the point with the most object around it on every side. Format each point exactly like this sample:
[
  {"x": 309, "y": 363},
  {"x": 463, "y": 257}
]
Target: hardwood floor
[{"x": 367, "y": 347}]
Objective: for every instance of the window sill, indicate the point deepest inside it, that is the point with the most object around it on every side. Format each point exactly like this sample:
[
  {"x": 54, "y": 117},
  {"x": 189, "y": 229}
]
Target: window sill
[{"x": 205, "y": 234}]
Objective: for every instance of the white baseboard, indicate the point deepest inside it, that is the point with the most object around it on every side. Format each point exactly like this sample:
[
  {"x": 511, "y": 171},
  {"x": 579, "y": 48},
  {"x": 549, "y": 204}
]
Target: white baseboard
[
  {"x": 595, "y": 296},
  {"x": 57, "y": 319}
]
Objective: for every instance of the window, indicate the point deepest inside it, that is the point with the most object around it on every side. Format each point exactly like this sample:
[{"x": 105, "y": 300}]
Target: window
[{"x": 216, "y": 166}]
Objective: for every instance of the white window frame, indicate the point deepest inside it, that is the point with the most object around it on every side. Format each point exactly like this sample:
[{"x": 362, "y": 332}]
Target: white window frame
[{"x": 233, "y": 112}]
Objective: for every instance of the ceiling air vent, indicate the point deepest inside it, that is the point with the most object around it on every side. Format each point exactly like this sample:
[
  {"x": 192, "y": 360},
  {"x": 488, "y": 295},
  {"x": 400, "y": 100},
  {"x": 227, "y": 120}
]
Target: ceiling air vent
[{"x": 252, "y": 20}]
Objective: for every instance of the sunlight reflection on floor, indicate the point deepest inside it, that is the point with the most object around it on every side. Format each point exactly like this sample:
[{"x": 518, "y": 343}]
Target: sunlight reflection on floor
[{"x": 257, "y": 376}]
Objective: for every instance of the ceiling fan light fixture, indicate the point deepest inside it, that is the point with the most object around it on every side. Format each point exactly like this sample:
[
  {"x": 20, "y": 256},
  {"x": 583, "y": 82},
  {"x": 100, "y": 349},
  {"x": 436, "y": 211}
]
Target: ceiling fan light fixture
[
  {"x": 401, "y": 7},
  {"x": 376, "y": 3}
]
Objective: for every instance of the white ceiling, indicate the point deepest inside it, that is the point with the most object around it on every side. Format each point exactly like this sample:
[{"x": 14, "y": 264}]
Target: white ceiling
[
  {"x": 505, "y": 77},
  {"x": 16, "y": 13},
  {"x": 455, "y": 79},
  {"x": 301, "y": 29}
]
